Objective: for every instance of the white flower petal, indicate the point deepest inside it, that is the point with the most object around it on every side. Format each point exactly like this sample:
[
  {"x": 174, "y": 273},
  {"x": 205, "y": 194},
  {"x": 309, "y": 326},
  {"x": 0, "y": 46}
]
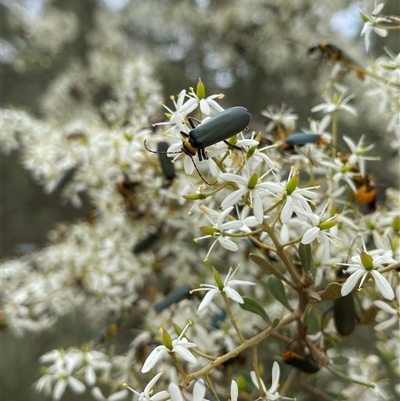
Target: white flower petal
[
  {"x": 381, "y": 31},
  {"x": 153, "y": 381},
  {"x": 233, "y": 198},
  {"x": 351, "y": 282},
  {"x": 228, "y": 244},
  {"x": 234, "y": 391},
  {"x": 258, "y": 208},
  {"x": 206, "y": 300},
  {"x": 118, "y": 396},
  {"x": 255, "y": 382},
  {"x": 275, "y": 377},
  {"x": 233, "y": 294},
  {"x": 59, "y": 389},
  {"x": 233, "y": 177},
  {"x": 162, "y": 395},
  {"x": 175, "y": 392},
  {"x": 385, "y": 307},
  {"x": 287, "y": 210},
  {"x": 310, "y": 235},
  {"x": 240, "y": 282},
  {"x": 383, "y": 285},
  {"x": 199, "y": 390},
  {"x": 153, "y": 358},
  {"x": 185, "y": 354},
  {"x": 231, "y": 225}
]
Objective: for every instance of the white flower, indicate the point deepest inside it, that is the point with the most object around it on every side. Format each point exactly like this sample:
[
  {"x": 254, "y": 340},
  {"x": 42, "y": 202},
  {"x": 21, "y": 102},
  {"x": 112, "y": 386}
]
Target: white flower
[
  {"x": 208, "y": 103},
  {"x": 61, "y": 373},
  {"x": 282, "y": 118},
  {"x": 145, "y": 395},
  {"x": 343, "y": 173},
  {"x": 358, "y": 153},
  {"x": 393, "y": 312},
  {"x": 320, "y": 231},
  {"x": 177, "y": 117},
  {"x": 365, "y": 265},
  {"x": 296, "y": 199},
  {"x": 253, "y": 186},
  {"x": 226, "y": 288},
  {"x": 118, "y": 396},
  {"x": 335, "y": 104},
  {"x": 271, "y": 394},
  {"x": 179, "y": 346},
  {"x": 218, "y": 228},
  {"x": 371, "y": 24}
]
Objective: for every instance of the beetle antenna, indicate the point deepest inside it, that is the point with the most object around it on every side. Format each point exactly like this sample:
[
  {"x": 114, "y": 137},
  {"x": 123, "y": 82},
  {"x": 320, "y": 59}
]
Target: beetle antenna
[
  {"x": 194, "y": 164},
  {"x": 163, "y": 153}
]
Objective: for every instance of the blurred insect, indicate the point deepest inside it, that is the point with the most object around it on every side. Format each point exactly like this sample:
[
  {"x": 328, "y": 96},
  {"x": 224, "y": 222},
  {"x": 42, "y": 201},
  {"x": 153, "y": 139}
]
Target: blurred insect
[
  {"x": 301, "y": 139},
  {"x": 297, "y": 353},
  {"x": 366, "y": 191},
  {"x": 107, "y": 333},
  {"x": 66, "y": 178},
  {"x": 148, "y": 241},
  {"x": 330, "y": 52},
  {"x": 344, "y": 311},
  {"x": 166, "y": 164},
  {"x": 154, "y": 119},
  {"x": 305, "y": 363},
  {"x": 219, "y": 128},
  {"x": 76, "y": 135},
  {"x": 127, "y": 189},
  {"x": 173, "y": 298}
]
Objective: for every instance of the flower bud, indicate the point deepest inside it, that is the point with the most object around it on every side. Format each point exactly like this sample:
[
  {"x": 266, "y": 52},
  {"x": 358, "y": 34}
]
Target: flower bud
[
  {"x": 367, "y": 260},
  {"x": 233, "y": 140},
  {"x": 218, "y": 280},
  {"x": 364, "y": 17},
  {"x": 200, "y": 90},
  {"x": 326, "y": 225},
  {"x": 252, "y": 181},
  {"x": 292, "y": 184},
  {"x": 166, "y": 338},
  {"x": 208, "y": 230},
  {"x": 194, "y": 196},
  {"x": 178, "y": 329}
]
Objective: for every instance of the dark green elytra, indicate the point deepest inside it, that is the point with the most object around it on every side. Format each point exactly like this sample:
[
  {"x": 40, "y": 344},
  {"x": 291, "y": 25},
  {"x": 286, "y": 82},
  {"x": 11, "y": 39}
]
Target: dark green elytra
[
  {"x": 173, "y": 298},
  {"x": 302, "y": 139},
  {"x": 219, "y": 128}
]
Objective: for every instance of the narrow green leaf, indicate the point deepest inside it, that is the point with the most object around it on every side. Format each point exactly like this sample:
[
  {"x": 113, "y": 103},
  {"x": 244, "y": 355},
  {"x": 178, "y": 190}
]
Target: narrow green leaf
[
  {"x": 250, "y": 304},
  {"x": 332, "y": 291},
  {"x": 277, "y": 290},
  {"x": 275, "y": 322},
  {"x": 267, "y": 266},
  {"x": 340, "y": 360},
  {"x": 306, "y": 258}
]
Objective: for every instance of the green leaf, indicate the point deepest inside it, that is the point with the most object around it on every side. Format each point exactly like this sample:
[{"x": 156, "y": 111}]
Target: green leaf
[
  {"x": 332, "y": 291},
  {"x": 267, "y": 266},
  {"x": 275, "y": 322},
  {"x": 250, "y": 304},
  {"x": 340, "y": 360},
  {"x": 277, "y": 290},
  {"x": 306, "y": 258}
]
